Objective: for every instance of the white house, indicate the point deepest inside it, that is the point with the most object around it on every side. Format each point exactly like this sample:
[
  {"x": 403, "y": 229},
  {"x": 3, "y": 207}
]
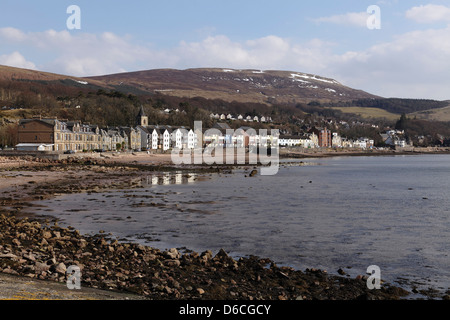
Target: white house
[
  {"x": 336, "y": 140},
  {"x": 289, "y": 141},
  {"x": 306, "y": 142},
  {"x": 166, "y": 137},
  {"x": 155, "y": 137},
  {"x": 346, "y": 143},
  {"x": 34, "y": 147},
  {"x": 191, "y": 139},
  {"x": 360, "y": 144},
  {"x": 363, "y": 143},
  {"x": 177, "y": 138}
]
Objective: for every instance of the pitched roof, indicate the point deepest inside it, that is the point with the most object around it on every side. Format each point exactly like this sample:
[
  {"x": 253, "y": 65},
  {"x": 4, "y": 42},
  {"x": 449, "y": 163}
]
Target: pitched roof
[
  {"x": 221, "y": 125},
  {"x": 141, "y": 112}
]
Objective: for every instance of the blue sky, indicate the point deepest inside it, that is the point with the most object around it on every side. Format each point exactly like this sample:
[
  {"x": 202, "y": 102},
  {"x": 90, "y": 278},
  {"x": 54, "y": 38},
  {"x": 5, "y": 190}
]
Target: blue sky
[{"x": 407, "y": 57}]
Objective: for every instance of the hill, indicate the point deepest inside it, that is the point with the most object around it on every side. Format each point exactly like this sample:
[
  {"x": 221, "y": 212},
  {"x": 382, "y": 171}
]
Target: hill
[
  {"x": 257, "y": 86},
  {"x": 209, "y": 89},
  {"x": 11, "y": 74}
]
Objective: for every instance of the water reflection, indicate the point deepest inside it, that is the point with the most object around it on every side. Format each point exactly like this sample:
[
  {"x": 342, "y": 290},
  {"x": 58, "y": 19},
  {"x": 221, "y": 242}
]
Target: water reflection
[{"x": 169, "y": 178}]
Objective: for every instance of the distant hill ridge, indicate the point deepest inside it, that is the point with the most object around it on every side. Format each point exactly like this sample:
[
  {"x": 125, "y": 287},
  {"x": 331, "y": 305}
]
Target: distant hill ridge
[
  {"x": 247, "y": 86},
  {"x": 261, "y": 86}
]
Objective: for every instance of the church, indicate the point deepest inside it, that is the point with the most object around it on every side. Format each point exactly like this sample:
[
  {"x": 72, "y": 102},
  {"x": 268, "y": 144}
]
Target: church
[{"x": 162, "y": 137}]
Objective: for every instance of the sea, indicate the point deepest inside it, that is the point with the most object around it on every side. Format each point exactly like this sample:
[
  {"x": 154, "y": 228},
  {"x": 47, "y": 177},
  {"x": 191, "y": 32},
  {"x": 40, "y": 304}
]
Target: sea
[{"x": 344, "y": 213}]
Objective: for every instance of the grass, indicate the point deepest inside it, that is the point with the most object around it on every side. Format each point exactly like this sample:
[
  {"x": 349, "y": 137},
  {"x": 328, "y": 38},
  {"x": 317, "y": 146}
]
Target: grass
[
  {"x": 441, "y": 114},
  {"x": 369, "y": 113}
]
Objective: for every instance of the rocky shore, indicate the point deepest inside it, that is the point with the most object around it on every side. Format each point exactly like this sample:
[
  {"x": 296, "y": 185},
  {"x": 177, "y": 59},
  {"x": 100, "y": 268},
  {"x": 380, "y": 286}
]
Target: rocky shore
[{"x": 34, "y": 248}]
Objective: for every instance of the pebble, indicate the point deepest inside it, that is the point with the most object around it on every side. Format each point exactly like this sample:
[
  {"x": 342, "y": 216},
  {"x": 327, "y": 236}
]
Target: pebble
[{"x": 200, "y": 291}]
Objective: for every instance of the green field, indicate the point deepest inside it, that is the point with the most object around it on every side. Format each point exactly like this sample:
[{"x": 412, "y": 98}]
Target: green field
[
  {"x": 368, "y": 113},
  {"x": 442, "y": 114}
]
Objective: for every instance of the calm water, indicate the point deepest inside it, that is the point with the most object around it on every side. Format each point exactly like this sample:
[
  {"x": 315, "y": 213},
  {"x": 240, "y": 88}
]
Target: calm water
[{"x": 346, "y": 213}]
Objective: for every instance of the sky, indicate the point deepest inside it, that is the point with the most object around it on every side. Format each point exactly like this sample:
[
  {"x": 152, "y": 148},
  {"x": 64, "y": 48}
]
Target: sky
[{"x": 399, "y": 48}]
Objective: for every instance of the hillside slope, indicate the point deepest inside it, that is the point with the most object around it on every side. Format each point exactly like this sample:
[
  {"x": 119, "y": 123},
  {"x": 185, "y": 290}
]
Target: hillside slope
[
  {"x": 236, "y": 85},
  {"x": 18, "y": 74}
]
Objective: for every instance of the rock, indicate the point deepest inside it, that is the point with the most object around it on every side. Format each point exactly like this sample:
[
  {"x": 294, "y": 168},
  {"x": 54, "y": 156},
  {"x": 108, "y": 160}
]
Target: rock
[
  {"x": 16, "y": 242},
  {"x": 172, "y": 254},
  {"x": 221, "y": 254},
  {"x": 29, "y": 256},
  {"x": 61, "y": 268},
  {"x": 168, "y": 290},
  {"x": 200, "y": 291},
  {"x": 173, "y": 263},
  {"x": 46, "y": 234},
  {"x": 41, "y": 267},
  {"x": 8, "y": 256},
  {"x": 206, "y": 255},
  {"x": 341, "y": 272},
  {"x": 10, "y": 271}
]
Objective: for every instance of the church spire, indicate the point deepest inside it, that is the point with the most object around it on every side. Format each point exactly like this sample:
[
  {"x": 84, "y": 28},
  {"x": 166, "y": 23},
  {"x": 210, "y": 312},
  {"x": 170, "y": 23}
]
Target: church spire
[{"x": 142, "y": 119}]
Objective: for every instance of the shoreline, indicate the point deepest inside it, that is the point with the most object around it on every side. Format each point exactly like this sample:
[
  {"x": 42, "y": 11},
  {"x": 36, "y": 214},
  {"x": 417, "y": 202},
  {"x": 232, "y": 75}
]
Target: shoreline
[
  {"x": 35, "y": 249},
  {"x": 301, "y": 154}
]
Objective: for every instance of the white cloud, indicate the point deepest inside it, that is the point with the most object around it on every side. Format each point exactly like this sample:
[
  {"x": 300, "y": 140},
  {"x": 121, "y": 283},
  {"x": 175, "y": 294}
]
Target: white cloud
[
  {"x": 17, "y": 60},
  {"x": 358, "y": 19},
  {"x": 429, "y": 13},
  {"x": 269, "y": 52},
  {"x": 79, "y": 54},
  {"x": 412, "y": 65},
  {"x": 12, "y": 34}
]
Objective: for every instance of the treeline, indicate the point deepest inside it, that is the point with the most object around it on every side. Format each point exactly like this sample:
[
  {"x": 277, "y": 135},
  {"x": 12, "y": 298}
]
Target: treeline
[
  {"x": 356, "y": 132},
  {"x": 316, "y": 108},
  {"x": 38, "y": 93},
  {"x": 414, "y": 128},
  {"x": 393, "y": 105}
]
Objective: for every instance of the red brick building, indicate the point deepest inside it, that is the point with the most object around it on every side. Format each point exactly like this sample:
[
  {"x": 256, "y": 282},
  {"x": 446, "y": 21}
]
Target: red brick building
[{"x": 325, "y": 136}]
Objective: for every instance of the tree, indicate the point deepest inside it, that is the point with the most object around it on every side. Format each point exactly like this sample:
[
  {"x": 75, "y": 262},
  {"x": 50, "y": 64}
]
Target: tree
[{"x": 402, "y": 123}]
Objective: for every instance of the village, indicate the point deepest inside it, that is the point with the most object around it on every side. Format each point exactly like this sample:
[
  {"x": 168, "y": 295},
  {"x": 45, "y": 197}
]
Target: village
[{"x": 64, "y": 136}]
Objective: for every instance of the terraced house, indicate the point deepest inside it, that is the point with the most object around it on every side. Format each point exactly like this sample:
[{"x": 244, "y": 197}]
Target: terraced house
[
  {"x": 61, "y": 135},
  {"x": 58, "y": 135}
]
